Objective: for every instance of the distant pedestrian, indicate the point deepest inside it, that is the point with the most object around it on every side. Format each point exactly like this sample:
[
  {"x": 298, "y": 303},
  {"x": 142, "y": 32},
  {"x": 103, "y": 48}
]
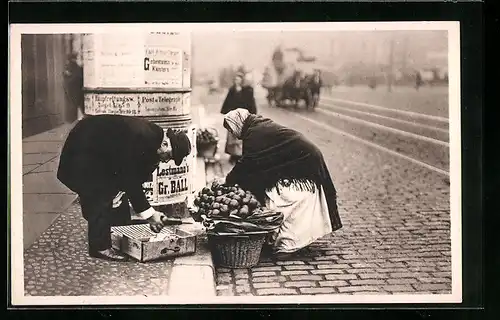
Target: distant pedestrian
[
  {"x": 238, "y": 96},
  {"x": 287, "y": 173},
  {"x": 73, "y": 84},
  {"x": 105, "y": 160},
  {"x": 418, "y": 80}
]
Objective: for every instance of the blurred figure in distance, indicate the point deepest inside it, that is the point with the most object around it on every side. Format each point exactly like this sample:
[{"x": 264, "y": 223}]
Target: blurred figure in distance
[{"x": 238, "y": 96}]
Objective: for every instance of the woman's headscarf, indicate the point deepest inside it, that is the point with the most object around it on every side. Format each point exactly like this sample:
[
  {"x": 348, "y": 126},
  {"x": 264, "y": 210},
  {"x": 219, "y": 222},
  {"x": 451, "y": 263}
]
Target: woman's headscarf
[{"x": 234, "y": 120}]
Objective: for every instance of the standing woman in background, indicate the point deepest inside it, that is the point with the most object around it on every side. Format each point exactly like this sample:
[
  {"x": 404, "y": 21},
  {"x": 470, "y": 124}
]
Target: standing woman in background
[
  {"x": 238, "y": 96},
  {"x": 73, "y": 85}
]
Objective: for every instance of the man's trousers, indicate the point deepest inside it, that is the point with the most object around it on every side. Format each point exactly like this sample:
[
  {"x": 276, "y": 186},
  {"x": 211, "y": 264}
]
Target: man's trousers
[{"x": 98, "y": 210}]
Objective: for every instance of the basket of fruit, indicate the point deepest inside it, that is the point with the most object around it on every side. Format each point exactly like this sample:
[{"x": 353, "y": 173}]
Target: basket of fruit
[
  {"x": 206, "y": 142},
  {"x": 237, "y": 224}
]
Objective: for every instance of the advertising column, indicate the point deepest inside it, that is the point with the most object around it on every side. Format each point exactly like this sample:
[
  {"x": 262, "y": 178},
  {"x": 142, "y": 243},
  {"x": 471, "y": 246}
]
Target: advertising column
[{"x": 146, "y": 74}]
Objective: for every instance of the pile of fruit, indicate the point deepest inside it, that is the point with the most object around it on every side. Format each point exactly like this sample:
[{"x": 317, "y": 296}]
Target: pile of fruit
[
  {"x": 224, "y": 209},
  {"x": 204, "y": 137},
  {"x": 225, "y": 201}
]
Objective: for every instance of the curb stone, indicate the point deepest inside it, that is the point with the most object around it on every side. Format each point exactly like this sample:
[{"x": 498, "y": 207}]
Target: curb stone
[{"x": 194, "y": 274}]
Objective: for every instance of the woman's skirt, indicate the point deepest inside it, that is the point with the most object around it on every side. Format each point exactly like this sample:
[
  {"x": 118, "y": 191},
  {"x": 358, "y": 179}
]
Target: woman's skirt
[
  {"x": 306, "y": 217},
  {"x": 234, "y": 146}
]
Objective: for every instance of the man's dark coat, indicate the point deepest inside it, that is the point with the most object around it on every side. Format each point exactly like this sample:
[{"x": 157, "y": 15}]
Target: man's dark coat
[{"x": 105, "y": 154}]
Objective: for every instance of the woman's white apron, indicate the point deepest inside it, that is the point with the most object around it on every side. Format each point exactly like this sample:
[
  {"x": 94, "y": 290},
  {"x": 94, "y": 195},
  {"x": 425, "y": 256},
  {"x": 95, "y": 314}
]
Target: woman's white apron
[{"x": 306, "y": 216}]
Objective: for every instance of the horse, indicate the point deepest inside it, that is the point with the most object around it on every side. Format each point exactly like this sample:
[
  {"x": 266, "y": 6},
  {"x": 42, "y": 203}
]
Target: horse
[
  {"x": 314, "y": 83},
  {"x": 295, "y": 88}
]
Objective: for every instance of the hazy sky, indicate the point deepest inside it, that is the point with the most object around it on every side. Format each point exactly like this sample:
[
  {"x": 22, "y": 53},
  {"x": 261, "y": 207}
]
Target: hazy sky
[{"x": 212, "y": 51}]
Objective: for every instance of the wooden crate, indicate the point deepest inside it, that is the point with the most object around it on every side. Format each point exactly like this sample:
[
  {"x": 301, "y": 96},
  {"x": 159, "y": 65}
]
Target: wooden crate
[{"x": 142, "y": 244}]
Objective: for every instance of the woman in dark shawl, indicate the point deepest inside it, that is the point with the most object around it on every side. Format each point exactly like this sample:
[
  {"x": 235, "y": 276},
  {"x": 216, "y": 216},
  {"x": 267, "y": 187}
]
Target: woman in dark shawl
[
  {"x": 238, "y": 96},
  {"x": 286, "y": 172}
]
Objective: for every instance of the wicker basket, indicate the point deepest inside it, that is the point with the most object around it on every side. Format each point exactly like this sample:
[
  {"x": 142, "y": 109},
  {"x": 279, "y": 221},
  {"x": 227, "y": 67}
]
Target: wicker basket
[
  {"x": 208, "y": 150},
  {"x": 237, "y": 250}
]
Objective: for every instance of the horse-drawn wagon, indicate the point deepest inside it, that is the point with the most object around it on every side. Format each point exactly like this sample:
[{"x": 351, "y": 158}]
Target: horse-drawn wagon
[{"x": 292, "y": 79}]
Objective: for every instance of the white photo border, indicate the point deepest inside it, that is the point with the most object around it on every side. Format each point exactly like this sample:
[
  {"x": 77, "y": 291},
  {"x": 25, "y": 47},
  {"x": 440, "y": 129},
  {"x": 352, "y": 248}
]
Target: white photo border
[{"x": 15, "y": 119}]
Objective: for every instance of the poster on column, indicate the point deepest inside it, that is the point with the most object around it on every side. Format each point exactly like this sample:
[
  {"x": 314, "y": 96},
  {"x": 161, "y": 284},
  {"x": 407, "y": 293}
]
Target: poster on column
[
  {"x": 163, "y": 67},
  {"x": 118, "y": 61},
  {"x": 192, "y": 137},
  {"x": 152, "y": 60},
  {"x": 171, "y": 183},
  {"x": 88, "y": 57},
  {"x": 138, "y": 104},
  {"x": 148, "y": 188}
]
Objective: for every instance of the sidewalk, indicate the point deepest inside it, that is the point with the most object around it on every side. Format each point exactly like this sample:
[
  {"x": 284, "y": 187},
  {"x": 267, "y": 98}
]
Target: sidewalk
[{"x": 44, "y": 197}]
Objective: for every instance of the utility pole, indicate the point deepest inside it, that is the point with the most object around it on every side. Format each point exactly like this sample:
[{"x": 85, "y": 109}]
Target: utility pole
[
  {"x": 373, "y": 53},
  {"x": 405, "y": 53},
  {"x": 332, "y": 52},
  {"x": 391, "y": 66}
]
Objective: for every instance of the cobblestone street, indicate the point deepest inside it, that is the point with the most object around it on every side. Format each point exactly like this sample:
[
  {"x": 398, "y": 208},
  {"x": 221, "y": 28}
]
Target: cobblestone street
[
  {"x": 395, "y": 239},
  {"x": 396, "y": 234}
]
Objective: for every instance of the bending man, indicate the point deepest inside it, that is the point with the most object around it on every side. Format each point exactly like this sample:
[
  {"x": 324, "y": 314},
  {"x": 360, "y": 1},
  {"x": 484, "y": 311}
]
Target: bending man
[{"x": 105, "y": 160}]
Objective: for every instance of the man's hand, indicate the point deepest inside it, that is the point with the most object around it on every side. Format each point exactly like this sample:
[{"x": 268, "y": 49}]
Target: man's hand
[
  {"x": 155, "y": 222},
  {"x": 117, "y": 200}
]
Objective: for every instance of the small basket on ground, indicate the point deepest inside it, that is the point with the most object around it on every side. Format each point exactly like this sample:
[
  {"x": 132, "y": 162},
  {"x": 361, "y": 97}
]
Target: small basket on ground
[
  {"x": 207, "y": 148},
  {"x": 237, "y": 250}
]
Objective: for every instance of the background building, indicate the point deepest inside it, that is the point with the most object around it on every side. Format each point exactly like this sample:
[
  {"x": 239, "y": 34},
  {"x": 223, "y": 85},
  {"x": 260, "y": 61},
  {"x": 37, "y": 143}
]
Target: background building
[{"x": 45, "y": 104}]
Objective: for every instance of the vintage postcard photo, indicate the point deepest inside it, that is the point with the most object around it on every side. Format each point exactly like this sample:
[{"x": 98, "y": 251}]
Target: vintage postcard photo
[{"x": 235, "y": 163}]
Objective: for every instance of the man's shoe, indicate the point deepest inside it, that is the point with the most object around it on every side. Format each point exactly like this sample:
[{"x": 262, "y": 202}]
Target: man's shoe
[{"x": 109, "y": 254}]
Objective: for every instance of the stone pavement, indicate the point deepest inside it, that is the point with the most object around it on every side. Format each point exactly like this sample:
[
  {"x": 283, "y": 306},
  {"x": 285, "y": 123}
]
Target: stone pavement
[
  {"x": 427, "y": 100},
  {"x": 378, "y": 251},
  {"x": 44, "y": 197},
  {"x": 58, "y": 264},
  {"x": 396, "y": 234}
]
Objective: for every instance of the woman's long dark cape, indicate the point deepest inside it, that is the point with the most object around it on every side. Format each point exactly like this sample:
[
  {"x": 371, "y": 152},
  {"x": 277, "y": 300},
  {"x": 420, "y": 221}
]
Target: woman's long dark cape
[
  {"x": 273, "y": 153},
  {"x": 244, "y": 99}
]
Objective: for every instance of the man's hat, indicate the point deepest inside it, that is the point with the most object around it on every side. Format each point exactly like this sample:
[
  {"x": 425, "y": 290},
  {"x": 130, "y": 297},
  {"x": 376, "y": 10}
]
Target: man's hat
[{"x": 181, "y": 146}]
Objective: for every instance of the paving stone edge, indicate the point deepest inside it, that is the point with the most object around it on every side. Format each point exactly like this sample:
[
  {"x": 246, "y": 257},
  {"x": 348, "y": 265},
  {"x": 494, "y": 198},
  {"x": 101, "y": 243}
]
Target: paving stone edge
[{"x": 200, "y": 265}]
